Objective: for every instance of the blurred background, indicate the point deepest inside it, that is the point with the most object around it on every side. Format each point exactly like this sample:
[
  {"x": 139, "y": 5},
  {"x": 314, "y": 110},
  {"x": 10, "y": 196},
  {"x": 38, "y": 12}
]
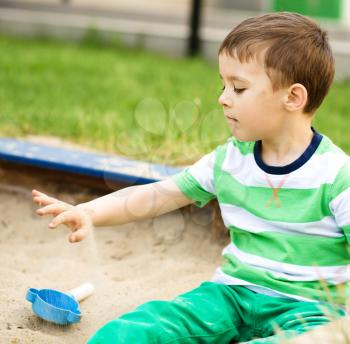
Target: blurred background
[{"x": 139, "y": 78}]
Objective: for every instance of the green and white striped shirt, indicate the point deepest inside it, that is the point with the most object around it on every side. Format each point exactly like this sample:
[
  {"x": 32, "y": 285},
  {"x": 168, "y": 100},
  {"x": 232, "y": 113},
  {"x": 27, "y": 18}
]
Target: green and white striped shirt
[{"x": 289, "y": 226}]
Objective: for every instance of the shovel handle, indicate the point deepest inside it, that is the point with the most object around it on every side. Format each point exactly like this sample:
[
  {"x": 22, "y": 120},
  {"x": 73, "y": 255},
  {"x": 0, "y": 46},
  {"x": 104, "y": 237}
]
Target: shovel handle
[{"x": 82, "y": 292}]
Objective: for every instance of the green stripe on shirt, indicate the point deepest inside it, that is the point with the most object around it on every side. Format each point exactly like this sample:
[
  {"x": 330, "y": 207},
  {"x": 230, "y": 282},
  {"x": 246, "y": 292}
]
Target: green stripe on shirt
[
  {"x": 315, "y": 290},
  {"x": 192, "y": 189},
  {"x": 296, "y": 205},
  {"x": 296, "y": 249}
]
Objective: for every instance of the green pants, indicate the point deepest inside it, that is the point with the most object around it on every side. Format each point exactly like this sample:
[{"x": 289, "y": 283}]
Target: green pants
[{"x": 216, "y": 313}]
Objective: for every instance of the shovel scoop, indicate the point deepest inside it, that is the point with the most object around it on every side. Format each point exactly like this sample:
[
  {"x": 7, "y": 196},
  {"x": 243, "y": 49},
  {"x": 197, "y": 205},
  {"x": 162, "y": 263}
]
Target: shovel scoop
[{"x": 56, "y": 306}]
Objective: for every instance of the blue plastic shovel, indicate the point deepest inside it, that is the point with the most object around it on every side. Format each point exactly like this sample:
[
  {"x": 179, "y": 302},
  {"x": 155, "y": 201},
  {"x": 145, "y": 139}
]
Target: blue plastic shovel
[{"x": 56, "y": 306}]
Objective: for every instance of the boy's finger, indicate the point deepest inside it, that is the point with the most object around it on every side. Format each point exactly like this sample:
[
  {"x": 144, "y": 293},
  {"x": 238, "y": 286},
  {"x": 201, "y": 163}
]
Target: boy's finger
[
  {"x": 42, "y": 201},
  {"x": 78, "y": 235},
  {"x": 37, "y": 193},
  {"x": 67, "y": 217},
  {"x": 52, "y": 209},
  {"x": 43, "y": 198}
]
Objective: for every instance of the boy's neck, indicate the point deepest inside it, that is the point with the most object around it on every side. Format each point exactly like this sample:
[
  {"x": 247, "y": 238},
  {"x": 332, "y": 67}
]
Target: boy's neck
[{"x": 287, "y": 146}]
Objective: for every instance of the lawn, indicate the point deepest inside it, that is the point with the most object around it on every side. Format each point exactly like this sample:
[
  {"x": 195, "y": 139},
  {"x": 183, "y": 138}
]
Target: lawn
[{"x": 128, "y": 102}]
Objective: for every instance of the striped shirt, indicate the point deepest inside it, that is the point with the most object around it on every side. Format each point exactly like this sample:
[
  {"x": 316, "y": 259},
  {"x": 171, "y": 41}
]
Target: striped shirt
[{"x": 289, "y": 226}]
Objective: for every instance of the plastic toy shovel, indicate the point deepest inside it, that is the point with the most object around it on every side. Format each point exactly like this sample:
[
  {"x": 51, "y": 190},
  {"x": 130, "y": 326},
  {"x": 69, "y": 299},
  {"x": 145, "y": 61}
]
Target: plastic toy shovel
[{"x": 58, "y": 307}]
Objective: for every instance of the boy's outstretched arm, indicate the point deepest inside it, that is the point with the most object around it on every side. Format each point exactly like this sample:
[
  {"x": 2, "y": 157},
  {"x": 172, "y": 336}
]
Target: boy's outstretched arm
[
  {"x": 136, "y": 203},
  {"x": 127, "y": 205}
]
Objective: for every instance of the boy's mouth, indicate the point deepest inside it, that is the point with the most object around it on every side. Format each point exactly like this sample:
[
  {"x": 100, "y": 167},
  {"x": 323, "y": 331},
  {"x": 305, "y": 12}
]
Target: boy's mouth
[{"x": 231, "y": 118}]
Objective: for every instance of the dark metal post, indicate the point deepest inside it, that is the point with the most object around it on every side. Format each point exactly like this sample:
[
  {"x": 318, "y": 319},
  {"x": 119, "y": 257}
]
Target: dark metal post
[{"x": 195, "y": 17}]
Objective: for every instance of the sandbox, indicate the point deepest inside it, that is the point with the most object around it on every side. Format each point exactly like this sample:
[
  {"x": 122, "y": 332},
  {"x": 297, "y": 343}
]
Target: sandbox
[{"x": 129, "y": 264}]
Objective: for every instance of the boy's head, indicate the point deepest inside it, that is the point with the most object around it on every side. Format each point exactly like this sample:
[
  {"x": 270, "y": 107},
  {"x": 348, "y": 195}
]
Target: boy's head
[{"x": 288, "y": 64}]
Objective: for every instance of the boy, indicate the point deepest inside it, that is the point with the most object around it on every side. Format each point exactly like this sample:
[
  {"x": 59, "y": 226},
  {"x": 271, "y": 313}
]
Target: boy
[{"x": 283, "y": 190}]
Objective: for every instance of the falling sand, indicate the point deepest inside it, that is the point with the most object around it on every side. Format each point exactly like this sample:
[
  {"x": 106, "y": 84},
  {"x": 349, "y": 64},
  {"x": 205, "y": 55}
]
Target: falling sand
[{"x": 128, "y": 265}]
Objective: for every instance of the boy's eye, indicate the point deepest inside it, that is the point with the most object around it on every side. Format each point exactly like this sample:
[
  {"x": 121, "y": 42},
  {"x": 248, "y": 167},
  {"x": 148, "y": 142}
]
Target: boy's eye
[
  {"x": 236, "y": 90},
  {"x": 239, "y": 90}
]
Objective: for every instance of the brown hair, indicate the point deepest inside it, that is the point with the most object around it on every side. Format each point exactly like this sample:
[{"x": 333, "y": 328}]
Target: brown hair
[{"x": 296, "y": 51}]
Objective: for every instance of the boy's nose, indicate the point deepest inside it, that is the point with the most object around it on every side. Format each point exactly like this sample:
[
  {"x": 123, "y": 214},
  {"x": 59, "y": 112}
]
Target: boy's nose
[{"x": 225, "y": 100}]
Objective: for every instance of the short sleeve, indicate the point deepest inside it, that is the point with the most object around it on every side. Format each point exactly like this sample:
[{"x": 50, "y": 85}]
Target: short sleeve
[
  {"x": 197, "y": 181},
  {"x": 340, "y": 199}
]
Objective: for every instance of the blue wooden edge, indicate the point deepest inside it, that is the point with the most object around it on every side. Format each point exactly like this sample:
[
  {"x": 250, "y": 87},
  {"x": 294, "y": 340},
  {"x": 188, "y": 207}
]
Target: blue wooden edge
[{"x": 102, "y": 166}]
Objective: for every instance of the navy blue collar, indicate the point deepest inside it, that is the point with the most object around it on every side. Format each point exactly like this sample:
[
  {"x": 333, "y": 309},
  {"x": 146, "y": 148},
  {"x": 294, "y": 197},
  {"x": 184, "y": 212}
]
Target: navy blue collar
[{"x": 310, "y": 150}]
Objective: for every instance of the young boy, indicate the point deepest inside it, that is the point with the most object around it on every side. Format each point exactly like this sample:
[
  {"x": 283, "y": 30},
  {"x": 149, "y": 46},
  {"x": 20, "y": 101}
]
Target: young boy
[{"x": 283, "y": 190}]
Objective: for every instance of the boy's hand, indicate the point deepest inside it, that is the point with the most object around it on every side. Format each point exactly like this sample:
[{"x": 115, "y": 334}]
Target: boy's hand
[
  {"x": 50, "y": 205},
  {"x": 76, "y": 218}
]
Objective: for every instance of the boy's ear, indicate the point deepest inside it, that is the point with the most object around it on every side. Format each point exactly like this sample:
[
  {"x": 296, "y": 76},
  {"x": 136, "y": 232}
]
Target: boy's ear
[{"x": 296, "y": 97}]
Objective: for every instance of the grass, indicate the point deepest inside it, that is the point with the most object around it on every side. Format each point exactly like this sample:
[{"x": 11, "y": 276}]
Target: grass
[{"x": 122, "y": 101}]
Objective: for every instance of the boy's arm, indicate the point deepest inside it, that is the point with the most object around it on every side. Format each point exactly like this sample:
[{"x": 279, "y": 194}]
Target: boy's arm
[
  {"x": 136, "y": 203},
  {"x": 194, "y": 184},
  {"x": 126, "y": 205}
]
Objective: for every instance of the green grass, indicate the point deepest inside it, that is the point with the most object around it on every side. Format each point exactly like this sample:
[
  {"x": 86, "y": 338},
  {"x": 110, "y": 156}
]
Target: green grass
[{"x": 129, "y": 102}]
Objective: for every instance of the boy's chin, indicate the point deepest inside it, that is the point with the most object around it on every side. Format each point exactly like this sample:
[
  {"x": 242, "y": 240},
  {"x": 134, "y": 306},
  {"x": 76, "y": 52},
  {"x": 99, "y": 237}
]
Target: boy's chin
[{"x": 244, "y": 137}]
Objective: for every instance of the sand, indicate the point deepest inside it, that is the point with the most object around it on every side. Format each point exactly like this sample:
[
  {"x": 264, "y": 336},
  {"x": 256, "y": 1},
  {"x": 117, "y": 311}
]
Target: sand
[{"x": 128, "y": 265}]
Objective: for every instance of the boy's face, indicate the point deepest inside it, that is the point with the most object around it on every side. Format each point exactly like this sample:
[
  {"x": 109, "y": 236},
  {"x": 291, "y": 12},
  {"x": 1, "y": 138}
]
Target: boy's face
[{"x": 253, "y": 111}]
